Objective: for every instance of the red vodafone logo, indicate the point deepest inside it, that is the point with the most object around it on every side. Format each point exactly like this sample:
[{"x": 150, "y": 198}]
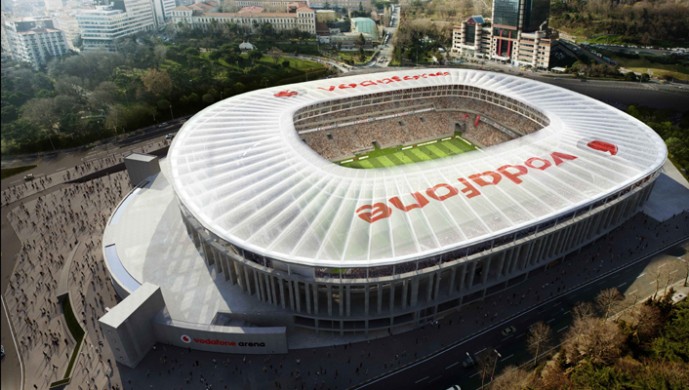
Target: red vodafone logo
[
  {"x": 602, "y": 146},
  {"x": 468, "y": 187},
  {"x": 185, "y": 339},
  {"x": 286, "y": 93}
]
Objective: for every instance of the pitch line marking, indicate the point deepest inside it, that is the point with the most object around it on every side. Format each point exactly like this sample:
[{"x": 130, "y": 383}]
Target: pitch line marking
[
  {"x": 422, "y": 379},
  {"x": 641, "y": 275},
  {"x": 451, "y": 365},
  {"x": 550, "y": 321},
  {"x": 562, "y": 329},
  {"x": 621, "y": 284},
  {"x": 477, "y": 352},
  {"x": 503, "y": 359}
]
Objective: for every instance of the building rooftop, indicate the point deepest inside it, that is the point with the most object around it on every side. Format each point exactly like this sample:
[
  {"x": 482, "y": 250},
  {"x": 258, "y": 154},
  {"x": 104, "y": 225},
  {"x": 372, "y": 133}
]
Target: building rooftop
[{"x": 240, "y": 168}]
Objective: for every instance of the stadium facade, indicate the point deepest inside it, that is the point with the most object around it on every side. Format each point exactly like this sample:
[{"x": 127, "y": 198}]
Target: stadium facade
[{"x": 367, "y": 251}]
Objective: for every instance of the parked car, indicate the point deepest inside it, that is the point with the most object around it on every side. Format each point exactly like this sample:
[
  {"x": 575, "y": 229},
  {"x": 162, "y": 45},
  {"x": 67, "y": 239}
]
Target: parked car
[
  {"x": 469, "y": 361},
  {"x": 508, "y": 331}
]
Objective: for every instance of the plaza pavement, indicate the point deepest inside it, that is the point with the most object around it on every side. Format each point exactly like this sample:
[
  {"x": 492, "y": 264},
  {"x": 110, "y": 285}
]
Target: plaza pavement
[{"x": 60, "y": 225}]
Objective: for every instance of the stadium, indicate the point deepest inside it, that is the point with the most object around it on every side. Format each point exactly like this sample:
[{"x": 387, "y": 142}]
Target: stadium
[{"x": 373, "y": 203}]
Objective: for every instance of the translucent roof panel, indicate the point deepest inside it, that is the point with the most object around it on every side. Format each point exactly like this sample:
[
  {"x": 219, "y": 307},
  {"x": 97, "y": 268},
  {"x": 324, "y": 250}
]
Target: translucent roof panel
[{"x": 241, "y": 169}]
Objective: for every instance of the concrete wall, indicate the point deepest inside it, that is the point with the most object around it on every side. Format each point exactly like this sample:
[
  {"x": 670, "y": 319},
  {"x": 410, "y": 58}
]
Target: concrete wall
[
  {"x": 141, "y": 166},
  {"x": 128, "y": 326}
]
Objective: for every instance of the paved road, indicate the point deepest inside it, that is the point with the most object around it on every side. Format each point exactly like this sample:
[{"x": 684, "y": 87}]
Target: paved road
[
  {"x": 637, "y": 282},
  {"x": 621, "y": 94}
]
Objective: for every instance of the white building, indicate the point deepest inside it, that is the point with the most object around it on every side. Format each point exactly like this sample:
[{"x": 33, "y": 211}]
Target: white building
[
  {"x": 471, "y": 38},
  {"x": 532, "y": 49},
  {"x": 268, "y": 5},
  {"x": 203, "y": 15},
  {"x": 476, "y": 38},
  {"x": 102, "y": 25},
  {"x": 34, "y": 41},
  {"x": 350, "y": 5}
]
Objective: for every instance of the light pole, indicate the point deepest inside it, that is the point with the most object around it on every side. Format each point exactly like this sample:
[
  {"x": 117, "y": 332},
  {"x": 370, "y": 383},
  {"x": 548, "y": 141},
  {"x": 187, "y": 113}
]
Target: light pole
[
  {"x": 172, "y": 116},
  {"x": 492, "y": 374}
]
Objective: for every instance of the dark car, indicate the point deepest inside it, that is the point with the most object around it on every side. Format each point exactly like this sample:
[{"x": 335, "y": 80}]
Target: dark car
[{"x": 469, "y": 361}]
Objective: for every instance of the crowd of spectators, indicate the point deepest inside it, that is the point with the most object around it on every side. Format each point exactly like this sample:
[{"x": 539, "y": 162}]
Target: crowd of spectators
[{"x": 345, "y": 132}]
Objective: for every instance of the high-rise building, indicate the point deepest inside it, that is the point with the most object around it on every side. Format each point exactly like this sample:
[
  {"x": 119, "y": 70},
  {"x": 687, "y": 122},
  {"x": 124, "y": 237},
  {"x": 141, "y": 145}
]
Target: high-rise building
[
  {"x": 518, "y": 34},
  {"x": 162, "y": 10},
  {"x": 523, "y": 15},
  {"x": 102, "y": 25},
  {"x": 512, "y": 17},
  {"x": 33, "y": 40}
]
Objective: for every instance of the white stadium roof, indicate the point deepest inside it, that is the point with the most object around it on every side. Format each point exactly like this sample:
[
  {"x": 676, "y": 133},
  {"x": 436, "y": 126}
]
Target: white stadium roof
[{"x": 241, "y": 170}]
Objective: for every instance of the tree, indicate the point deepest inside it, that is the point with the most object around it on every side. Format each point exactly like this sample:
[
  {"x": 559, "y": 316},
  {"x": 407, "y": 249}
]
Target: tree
[
  {"x": 673, "y": 344},
  {"x": 157, "y": 82},
  {"x": 583, "y": 310},
  {"x": 255, "y": 55},
  {"x": 648, "y": 320},
  {"x": 538, "y": 339},
  {"x": 599, "y": 342},
  {"x": 512, "y": 378},
  {"x": 553, "y": 377},
  {"x": 275, "y": 53},
  {"x": 487, "y": 362},
  {"x": 607, "y": 300}
]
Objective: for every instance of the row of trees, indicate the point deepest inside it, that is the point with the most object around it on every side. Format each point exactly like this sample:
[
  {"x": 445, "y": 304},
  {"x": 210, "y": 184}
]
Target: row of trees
[
  {"x": 648, "y": 349},
  {"x": 418, "y": 38},
  {"x": 86, "y": 97},
  {"x": 672, "y": 129},
  {"x": 645, "y": 22}
]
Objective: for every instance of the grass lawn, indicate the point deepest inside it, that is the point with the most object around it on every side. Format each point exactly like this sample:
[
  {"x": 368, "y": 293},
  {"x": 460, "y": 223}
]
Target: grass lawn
[
  {"x": 657, "y": 72},
  {"x": 401, "y": 155},
  {"x": 353, "y": 57},
  {"x": 8, "y": 172}
]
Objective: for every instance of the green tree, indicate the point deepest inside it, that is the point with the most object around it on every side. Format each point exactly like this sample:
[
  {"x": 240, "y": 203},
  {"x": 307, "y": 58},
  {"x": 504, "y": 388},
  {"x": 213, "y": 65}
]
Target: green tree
[
  {"x": 538, "y": 339},
  {"x": 157, "y": 82}
]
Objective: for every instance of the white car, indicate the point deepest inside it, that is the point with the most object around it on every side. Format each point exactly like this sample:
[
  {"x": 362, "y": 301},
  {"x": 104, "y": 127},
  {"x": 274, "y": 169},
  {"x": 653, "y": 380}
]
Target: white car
[{"x": 677, "y": 297}]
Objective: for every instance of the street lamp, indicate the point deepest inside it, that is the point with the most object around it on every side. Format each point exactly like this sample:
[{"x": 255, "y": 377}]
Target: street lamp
[{"x": 492, "y": 374}]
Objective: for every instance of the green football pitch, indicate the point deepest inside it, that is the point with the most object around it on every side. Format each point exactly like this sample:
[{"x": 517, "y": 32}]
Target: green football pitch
[{"x": 400, "y": 155}]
